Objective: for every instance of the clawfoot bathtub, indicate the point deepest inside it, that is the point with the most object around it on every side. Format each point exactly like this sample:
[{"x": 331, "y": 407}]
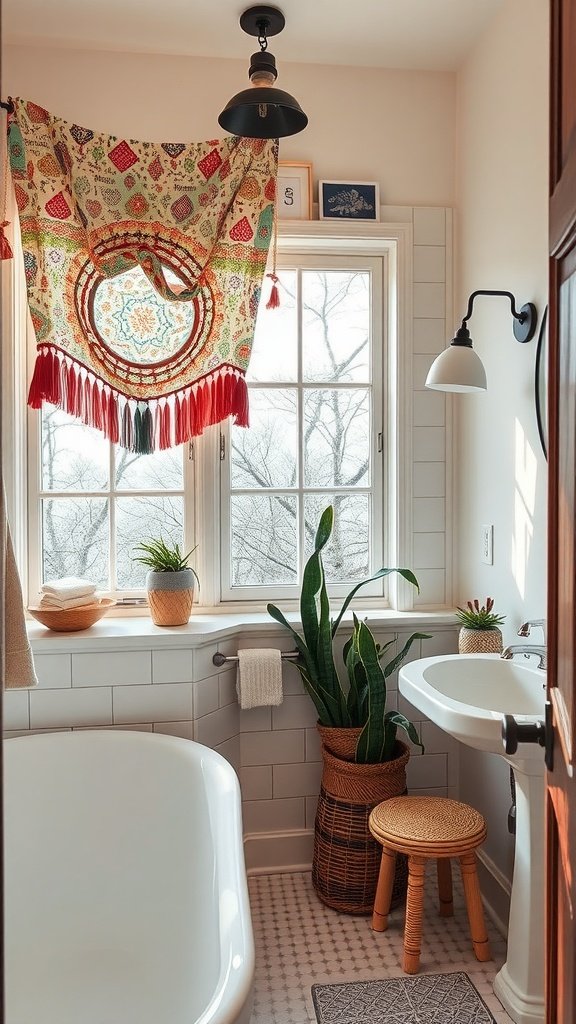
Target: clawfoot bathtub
[{"x": 126, "y": 894}]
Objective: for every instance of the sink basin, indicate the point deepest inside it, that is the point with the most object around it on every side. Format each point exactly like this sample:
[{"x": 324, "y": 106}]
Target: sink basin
[{"x": 467, "y": 695}]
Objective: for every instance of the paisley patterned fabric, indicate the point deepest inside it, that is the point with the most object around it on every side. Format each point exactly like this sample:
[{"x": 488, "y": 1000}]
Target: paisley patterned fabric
[{"x": 144, "y": 263}]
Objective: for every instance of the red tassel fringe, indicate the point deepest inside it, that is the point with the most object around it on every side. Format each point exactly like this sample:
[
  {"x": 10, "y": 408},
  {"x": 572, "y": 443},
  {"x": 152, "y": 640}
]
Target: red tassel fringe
[
  {"x": 5, "y": 250},
  {"x": 274, "y": 300},
  {"x": 169, "y": 421}
]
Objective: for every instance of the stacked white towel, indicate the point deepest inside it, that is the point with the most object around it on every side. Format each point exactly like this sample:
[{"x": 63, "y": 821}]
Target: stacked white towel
[
  {"x": 68, "y": 592},
  {"x": 259, "y": 682}
]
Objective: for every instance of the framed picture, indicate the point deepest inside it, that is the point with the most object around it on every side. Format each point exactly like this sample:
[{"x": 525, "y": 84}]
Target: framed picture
[
  {"x": 294, "y": 191},
  {"x": 349, "y": 200}
]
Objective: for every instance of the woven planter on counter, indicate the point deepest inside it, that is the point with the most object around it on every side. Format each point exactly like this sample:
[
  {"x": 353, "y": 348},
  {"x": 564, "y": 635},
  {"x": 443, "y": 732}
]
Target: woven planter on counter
[
  {"x": 170, "y": 596},
  {"x": 346, "y": 858},
  {"x": 479, "y": 641}
]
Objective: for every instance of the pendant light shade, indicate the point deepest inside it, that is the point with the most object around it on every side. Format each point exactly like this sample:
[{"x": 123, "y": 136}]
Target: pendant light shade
[{"x": 262, "y": 111}]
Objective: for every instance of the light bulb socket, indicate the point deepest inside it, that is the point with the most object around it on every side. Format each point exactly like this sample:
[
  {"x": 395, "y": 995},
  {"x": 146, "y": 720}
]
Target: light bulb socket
[
  {"x": 462, "y": 337},
  {"x": 263, "y": 61}
]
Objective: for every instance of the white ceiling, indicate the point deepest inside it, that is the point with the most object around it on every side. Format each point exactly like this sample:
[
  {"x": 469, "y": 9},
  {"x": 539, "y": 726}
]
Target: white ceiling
[{"x": 427, "y": 34}]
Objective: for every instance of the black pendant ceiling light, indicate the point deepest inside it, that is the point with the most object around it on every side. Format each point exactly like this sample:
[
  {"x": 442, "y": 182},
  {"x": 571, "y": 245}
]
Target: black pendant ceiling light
[{"x": 263, "y": 112}]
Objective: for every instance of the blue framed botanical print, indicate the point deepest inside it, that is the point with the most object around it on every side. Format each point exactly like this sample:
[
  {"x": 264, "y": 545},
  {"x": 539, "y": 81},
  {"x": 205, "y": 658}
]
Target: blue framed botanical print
[{"x": 348, "y": 200}]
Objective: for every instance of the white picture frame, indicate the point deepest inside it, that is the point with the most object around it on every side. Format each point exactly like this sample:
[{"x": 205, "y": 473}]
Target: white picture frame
[{"x": 294, "y": 184}]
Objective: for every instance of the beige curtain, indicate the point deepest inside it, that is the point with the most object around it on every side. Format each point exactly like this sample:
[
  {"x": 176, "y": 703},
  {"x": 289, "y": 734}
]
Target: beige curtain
[{"x": 18, "y": 663}]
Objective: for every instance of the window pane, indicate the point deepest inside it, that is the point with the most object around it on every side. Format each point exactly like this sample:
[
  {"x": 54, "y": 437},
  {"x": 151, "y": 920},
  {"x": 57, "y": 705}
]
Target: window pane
[
  {"x": 336, "y": 325},
  {"x": 264, "y": 539},
  {"x": 75, "y": 539},
  {"x": 74, "y": 457},
  {"x": 347, "y": 556},
  {"x": 274, "y": 353},
  {"x": 160, "y": 471},
  {"x": 143, "y": 519},
  {"x": 336, "y": 437},
  {"x": 266, "y": 454}
]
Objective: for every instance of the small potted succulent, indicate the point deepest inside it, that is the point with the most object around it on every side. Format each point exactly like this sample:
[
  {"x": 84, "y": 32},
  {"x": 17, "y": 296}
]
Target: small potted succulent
[
  {"x": 479, "y": 632},
  {"x": 169, "y": 582}
]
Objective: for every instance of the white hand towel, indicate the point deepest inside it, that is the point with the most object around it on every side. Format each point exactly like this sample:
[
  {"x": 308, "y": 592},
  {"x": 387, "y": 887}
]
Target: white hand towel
[
  {"x": 259, "y": 682},
  {"x": 49, "y": 601},
  {"x": 68, "y": 586}
]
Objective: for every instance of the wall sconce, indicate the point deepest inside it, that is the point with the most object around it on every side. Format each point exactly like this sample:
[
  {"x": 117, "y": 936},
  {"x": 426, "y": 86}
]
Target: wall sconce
[
  {"x": 263, "y": 112},
  {"x": 459, "y": 368}
]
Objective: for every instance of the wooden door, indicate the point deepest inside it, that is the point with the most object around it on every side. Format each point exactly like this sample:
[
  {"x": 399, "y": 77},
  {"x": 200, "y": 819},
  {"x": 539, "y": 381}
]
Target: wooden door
[{"x": 561, "y": 779}]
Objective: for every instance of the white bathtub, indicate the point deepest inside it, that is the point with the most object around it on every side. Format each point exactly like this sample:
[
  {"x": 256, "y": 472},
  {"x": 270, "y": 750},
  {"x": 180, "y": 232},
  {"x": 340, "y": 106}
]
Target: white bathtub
[{"x": 126, "y": 895}]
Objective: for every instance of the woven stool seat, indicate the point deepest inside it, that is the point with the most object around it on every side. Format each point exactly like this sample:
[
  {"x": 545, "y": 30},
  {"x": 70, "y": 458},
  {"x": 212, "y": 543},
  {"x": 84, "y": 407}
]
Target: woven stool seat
[{"x": 423, "y": 828}]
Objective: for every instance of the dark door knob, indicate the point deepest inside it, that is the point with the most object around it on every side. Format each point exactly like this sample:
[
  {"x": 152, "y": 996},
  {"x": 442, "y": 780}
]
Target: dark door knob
[{"x": 514, "y": 732}]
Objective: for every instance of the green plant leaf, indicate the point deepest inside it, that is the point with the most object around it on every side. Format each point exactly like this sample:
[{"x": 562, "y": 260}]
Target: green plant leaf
[
  {"x": 370, "y": 744},
  {"x": 406, "y": 573},
  {"x": 326, "y": 704},
  {"x": 396, "y": 719},
  {"x": 397, "y": 661}
]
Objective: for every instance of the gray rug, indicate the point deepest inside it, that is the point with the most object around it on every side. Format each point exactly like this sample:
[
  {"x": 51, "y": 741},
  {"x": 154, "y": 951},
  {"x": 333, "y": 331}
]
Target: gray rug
[{"x": 424, "y": 999}]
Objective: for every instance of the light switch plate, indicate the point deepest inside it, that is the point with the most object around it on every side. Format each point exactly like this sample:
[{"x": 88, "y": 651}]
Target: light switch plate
[{"x": 488, "y": 544}]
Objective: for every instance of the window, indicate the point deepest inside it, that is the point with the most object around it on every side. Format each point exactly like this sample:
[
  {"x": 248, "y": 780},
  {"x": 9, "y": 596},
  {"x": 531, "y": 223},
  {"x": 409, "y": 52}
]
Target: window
[
  {"x": 250, "y": 499},
  {"x": 316, "y": 422}
]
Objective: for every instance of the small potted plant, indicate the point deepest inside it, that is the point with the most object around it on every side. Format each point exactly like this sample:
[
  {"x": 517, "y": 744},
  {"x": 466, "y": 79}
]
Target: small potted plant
[
  {"x": 363, "y": 760},
  {"x": 169, "y": 582},
  {"x": 480, "y": 632}
]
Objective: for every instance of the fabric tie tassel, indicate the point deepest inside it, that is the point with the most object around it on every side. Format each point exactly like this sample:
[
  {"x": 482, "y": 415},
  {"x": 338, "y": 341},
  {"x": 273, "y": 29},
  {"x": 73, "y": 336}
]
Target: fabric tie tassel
[
  {"x": 274, "y": 300},
  {"x": 5, "y": 250}
]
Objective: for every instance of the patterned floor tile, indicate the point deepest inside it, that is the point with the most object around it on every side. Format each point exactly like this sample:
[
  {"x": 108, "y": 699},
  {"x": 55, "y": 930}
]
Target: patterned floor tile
[{"x": 300, "y": 943}]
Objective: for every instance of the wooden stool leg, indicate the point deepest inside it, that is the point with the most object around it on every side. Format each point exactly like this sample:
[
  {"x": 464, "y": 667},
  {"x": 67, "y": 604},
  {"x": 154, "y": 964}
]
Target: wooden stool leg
[
  {"x": 383, "y": 896},
  {"x": 474, "y": 907},
  {"x": 414, "y": 908},
  {"x": 444, "y": 870}
]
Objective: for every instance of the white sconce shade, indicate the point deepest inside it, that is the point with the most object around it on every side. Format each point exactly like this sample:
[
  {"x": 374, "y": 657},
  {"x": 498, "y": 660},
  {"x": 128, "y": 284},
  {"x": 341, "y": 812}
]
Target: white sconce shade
[{"x": 458, "y": 368}]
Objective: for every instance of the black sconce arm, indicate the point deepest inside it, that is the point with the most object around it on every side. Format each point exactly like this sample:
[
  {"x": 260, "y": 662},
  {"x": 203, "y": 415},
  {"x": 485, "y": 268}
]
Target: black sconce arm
[{"x": 525, "y": 318}]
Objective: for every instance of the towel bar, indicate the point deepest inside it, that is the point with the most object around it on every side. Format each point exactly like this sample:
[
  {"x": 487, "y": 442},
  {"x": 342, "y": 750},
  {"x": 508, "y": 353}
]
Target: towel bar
[{"x": 220, "y": 659}]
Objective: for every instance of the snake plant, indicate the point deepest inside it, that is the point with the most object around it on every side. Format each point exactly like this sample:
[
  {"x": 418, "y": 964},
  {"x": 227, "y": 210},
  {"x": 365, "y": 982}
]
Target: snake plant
[{"x": 361, "y": 700}]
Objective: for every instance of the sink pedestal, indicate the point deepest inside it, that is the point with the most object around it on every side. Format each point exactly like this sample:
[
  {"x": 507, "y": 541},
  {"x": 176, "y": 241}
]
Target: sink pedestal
[{"x": 519, "y": 985}]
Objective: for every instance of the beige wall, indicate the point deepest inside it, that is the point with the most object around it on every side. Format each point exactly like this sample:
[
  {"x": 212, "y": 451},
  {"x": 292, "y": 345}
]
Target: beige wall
[
  {"x": 395, "y": 127},
  {"x": 502, "y": 165}
]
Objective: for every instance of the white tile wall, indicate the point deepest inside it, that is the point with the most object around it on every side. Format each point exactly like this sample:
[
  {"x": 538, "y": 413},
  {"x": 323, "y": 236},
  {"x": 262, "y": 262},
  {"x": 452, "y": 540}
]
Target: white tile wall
[
  {"x": 429, "y": 225},
  {"x": 429, "y": 514},
  {"x": 274, "y": 815},
  {"x": 429, "y": 300},
  {"x": 295, "y": 712},
  {"x": 296, "y": 779},
  {"x": 121, "y": 667},
  {"x": 256, "y": 782},
  {"x": 53, "y": 670},
  {"x": 429, "y": 409},
  {"x": 429, "y": 335},
  {"x": 430, "y": 263},
  {"x": 171, "y": 702},
  {"x": 15, "y": 709},
  {"x": 281, "y": 747},
  {"x": 206, "y": 696},
  {"x": 429, "y": 479},
  {"x": 217, "y": 727},
  {"x": 429, "y": 445},
  {"x": 91, "y": 705},
  {"x": 429, "y": 551},
  {"x": 171, "y": 666}
]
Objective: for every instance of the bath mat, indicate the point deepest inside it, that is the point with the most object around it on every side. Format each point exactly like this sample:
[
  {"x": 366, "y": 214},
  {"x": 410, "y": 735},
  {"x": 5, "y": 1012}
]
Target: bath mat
[{"x": 426, "y": 999}]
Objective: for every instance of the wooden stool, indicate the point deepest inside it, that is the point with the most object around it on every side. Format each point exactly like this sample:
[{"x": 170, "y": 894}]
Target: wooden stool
[{"x": 423, "y": 827}]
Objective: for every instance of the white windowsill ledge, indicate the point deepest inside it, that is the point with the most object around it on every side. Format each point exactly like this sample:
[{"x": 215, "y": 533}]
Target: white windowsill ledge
[{"x": 132, "y": 633}]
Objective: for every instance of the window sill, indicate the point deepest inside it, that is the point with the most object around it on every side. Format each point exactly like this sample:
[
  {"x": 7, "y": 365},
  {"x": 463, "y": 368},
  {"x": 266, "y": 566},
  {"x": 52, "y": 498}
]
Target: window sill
[{"x": 130, "y": 632}]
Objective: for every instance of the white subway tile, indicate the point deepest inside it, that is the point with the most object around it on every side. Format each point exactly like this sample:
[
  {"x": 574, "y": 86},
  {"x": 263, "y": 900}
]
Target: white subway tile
[
  {"x": 51, "y": 709},
  {"x": 429, "y": 300},
  {"x": 291, "y": 680},
  {"x": 429, "y": 335},
  {"x": 54, "y": 671},
  {"x": 205, "y": 696},
  {"x": 429, "y": 479},
  {"x": 429, "y": 551},
  {"x": 185, "y": 730},
  {"x": 429, "y": 225},
  {"x": 311, "y": 808},
  {"x": 432, "y": 587},
  {"x": 14, "y": 734},
  {"x": 217, "y": 727},
  {"x": 256, "y": 782},
  {"x": 429, "y": 444},
  {"x": 256, "y": 720},
  {"x": 15, "y": 709},
  {"x": 227, "y": 688},
  {"x": 454, "y": 766},
  {"x": 171, "y": 666},
  {"x": 420, "y": 368},
  {"x": 203, "y": 665},
  {"x": 429, "y": 409},
  {"x": 408, "y": 709},
  {"x": 295, "y": 713},
  {"x": 296, "y": 779},
  {"x": 429, "y": 263},
  {"x": 171, "y": 702},
  {"x": 313, "y": 745},
  {"x": 427, "y": 771},
  {"x": 273, "y": 815},
  {"x": 117, "y": 669},
  {"x": 436, "y": 741},
  {"x": 230, "y": 749},
  {"x": 429, "y": 514},
  {"x": 272, "y": 747},
  {"x": 434, "y": 791},
  {"x": 445, "y": 641}
]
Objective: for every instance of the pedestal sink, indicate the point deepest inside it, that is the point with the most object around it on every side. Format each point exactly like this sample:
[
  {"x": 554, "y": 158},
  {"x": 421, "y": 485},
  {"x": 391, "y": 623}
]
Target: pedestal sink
[{"x": 467, "y": 696}]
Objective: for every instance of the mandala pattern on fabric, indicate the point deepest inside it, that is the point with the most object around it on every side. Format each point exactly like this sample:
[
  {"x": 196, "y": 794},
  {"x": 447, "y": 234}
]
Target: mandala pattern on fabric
[{"x": 144, "y": 264}]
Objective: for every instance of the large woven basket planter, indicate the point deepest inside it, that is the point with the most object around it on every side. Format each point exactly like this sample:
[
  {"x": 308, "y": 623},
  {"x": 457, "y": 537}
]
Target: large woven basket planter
[
  {"x": 339, "y": 741},
  {"x": 479, "y": 641},
  {"x": 170, "y": 596},
  {"x": 346, "y": 858}
]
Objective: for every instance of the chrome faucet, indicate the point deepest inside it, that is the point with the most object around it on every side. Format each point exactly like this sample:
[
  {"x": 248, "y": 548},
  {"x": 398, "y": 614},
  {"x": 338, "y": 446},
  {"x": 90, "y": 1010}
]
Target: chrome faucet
[
  {"x": 513, "y": 649},
  {"x": 526, "y": 627}
]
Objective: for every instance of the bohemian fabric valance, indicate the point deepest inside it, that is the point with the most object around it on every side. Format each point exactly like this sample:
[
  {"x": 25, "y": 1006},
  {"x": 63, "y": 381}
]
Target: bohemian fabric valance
[{"x": 144, "y": 263}]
